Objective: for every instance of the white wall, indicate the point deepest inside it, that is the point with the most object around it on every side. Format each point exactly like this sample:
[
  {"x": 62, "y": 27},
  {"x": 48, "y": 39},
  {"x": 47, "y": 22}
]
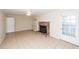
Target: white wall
[
  {"x": 55, "y": 18},
  {"x": 2, "y": 27},
  {"x": 22, "y": 22}
]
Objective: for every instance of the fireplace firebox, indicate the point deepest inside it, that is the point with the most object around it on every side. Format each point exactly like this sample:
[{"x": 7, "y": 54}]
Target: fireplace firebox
[{"x": 43, "y": 29}]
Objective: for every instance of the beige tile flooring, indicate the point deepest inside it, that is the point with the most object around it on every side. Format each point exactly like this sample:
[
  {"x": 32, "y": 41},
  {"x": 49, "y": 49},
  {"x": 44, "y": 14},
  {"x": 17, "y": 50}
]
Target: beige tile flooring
[{"x": 34, "y": 40}]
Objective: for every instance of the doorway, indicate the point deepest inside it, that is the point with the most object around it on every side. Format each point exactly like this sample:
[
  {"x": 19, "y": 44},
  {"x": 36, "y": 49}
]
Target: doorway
[{"x": 10, "y": 24}]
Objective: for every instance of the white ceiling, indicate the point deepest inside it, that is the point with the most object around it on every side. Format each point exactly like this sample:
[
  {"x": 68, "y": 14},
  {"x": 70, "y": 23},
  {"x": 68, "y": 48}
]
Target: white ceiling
[
  {"x": 35, "y": 11},
  {"x": 23, "y": 11}
]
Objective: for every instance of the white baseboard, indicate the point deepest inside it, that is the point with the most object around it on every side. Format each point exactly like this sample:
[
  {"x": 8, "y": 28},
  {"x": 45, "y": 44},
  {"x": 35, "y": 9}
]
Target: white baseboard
[
  {"x": 69, "y": 41},
  {"x": 23, "y": 30}
]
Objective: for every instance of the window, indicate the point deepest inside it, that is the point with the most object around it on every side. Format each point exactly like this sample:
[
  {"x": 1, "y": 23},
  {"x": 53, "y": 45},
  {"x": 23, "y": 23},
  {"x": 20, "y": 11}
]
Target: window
[{"x": 69, "y": 25}]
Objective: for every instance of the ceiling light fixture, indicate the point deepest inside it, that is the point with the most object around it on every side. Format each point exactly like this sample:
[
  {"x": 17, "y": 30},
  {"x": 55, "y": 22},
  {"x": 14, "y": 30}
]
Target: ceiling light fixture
[{"x": 28, "y": 12}]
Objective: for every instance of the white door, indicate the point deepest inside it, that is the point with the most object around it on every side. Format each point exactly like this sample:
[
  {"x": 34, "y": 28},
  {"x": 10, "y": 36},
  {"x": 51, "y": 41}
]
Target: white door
[{"x": 10, "y": 24}]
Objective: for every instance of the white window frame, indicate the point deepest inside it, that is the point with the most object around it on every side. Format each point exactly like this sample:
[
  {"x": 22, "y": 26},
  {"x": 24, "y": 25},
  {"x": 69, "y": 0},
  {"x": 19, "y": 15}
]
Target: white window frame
[
  {"x": 75, "y": 27},
  {"x": 74, "y": 40}
]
